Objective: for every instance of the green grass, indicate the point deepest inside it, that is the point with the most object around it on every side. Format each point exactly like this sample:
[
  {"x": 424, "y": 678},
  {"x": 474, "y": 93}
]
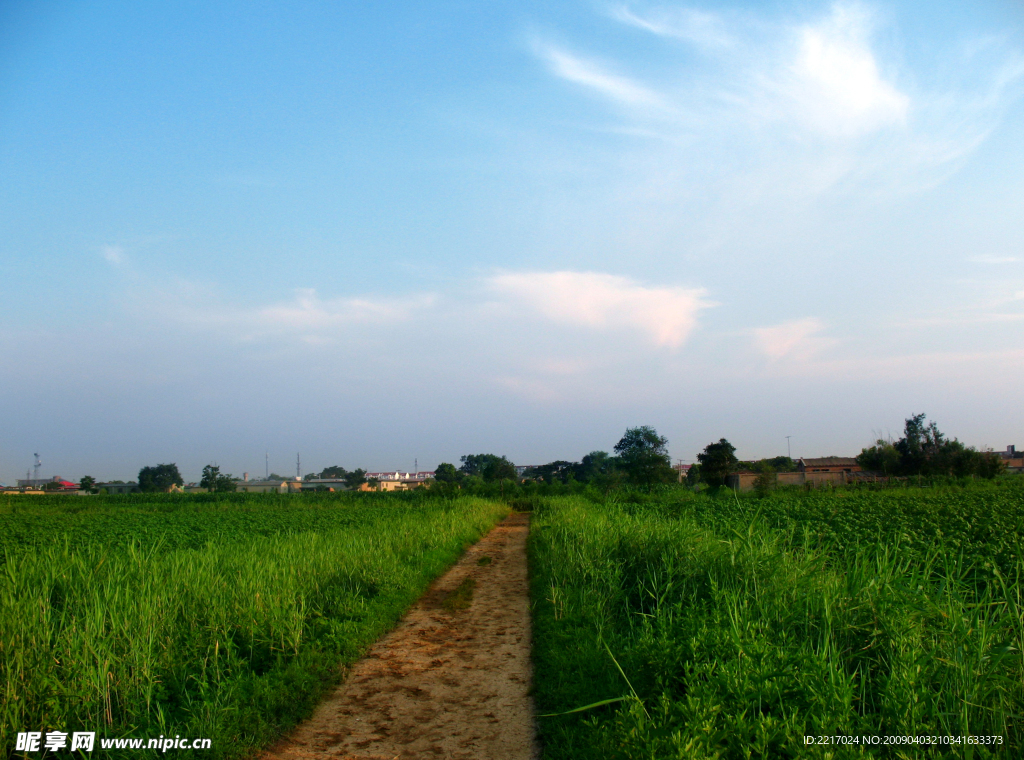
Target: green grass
[
  {"x": 228, "y": 622},
  {"x": 733, "y": 627},
  {"x": 461, "y": 597}
]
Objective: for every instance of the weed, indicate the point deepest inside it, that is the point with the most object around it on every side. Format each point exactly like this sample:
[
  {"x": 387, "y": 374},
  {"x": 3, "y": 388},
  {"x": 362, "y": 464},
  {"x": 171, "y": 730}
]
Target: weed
[
  {"x": 461, "y": 597},
  {"x": 219, "y": 618}
]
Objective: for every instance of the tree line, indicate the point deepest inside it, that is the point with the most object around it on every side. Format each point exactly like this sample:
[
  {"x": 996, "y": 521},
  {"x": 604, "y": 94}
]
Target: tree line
[{"x": 641, "y": 459}]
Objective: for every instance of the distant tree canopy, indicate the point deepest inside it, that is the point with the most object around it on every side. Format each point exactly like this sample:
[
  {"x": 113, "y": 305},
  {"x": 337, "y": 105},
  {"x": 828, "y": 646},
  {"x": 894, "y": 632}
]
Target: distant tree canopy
[
  {"x": 446, "y": 473},
  {"x": 214, "y": 480},
  {"x": 643, "y": 456},
  {"x": 924, "y": 450},
  {"x": 337, "y": 471},
  {"x": 355, "y": 478},
  {"x": 159, "y": 477},
  {"x": 87, "y": 483},
  {"x": 597, "y": 467},
  {"x": 716, "y": 462},
  {"x": 558, "y": 471},
  {"x": 778, "y": 464},
  {"x": 594, "y": 465},
  {"x": 489, "y": 467}
]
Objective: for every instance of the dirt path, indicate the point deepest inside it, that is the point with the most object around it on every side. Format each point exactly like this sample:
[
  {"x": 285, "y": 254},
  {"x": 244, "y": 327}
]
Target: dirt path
[{"x": 446, "y": 683}]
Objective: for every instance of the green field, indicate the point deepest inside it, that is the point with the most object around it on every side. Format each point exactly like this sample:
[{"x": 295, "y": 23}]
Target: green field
[
  {"x": 223, "y": 617},
  {"x": 733, "y": 627}
]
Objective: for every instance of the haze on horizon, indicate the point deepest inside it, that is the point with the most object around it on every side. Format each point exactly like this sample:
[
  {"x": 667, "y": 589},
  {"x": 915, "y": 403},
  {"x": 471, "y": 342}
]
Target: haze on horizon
[{"x": 375, "y": 234}]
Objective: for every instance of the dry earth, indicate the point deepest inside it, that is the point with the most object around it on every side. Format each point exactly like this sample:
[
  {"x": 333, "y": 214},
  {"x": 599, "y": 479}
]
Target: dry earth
[{"x": 445, "y": 683}]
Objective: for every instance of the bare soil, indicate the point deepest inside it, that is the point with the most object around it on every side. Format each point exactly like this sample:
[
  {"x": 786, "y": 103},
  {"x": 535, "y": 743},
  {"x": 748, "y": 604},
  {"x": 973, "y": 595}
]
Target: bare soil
[{"x": 450, "y": 681}]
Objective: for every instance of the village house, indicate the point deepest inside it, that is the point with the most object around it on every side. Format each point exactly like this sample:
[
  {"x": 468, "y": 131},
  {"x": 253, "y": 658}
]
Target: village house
[
  {"x": 828, "y": 464},
  {"x": 809, "y": 471}
]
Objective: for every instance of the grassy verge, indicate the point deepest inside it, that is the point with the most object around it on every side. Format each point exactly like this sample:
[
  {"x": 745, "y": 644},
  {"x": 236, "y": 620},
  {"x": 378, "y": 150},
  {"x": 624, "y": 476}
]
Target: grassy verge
[
  {"x": 234, "y": 640},
  {"x": 738, "y": 639}
]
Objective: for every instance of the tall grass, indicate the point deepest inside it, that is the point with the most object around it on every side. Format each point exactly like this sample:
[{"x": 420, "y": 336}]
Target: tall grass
[
  {"x": 742, "y": 638},
  {"x": 233, "y": 641}
]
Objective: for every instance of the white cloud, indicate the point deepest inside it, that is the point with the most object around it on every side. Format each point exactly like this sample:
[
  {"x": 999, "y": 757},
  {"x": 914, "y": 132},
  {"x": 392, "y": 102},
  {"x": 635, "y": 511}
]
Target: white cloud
[
  {"x": 706, "y": 30},
  {"x": 798, "y": 339},
  {"x": 592, "y": 75},
  {"x": 308, "y": 312},
  {"x": 667, "y": 315},
  {"x": 306, "y": 317},
  {"x": 802, "y": 107},
  {"x": 835, "y": 80},
  {"x": 993, "y": 259},
  {"x": 114, "y": 254}
]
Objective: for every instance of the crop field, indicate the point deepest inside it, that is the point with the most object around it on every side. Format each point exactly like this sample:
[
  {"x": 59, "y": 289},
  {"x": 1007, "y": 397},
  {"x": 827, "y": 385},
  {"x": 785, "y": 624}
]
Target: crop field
[
  {"x": 734, "y": 627},
  {"x": 223, "y": 617}
]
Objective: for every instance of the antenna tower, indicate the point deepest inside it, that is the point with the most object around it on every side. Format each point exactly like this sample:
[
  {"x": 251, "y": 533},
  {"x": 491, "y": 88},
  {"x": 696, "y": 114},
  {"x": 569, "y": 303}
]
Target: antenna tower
[{"x": 416, "y": 465}]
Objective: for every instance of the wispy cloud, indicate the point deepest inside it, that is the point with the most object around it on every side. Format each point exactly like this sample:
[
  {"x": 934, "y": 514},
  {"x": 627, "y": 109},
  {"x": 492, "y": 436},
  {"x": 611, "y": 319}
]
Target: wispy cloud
[
  {"x": 306, "y": 317},
  {"x": 798, "y": 340},
  {"x": 993, "y": 259},
  {"x": 601, "y": 302},
  {"x": 308, "y": 312},
  {"x": 594, "y": 76},
  {"x": 114, "y": 254},
  {"x": 813, "y": 102},
  {"x": 666, "y": 315},
  {"x": 706, "y": 30}
]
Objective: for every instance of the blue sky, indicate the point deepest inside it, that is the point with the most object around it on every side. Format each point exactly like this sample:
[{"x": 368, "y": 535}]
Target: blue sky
[{"x": 375, "y": 233}]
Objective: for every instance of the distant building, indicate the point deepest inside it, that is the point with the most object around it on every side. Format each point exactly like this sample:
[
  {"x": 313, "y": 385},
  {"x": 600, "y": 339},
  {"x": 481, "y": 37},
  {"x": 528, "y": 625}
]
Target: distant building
[
  {"x": 396, "y": 480},
  {"x": 131, "y": 487},
  {"x": 399, "y": 475},
  {"x": 810, "y": 472},
  {"x": 828, "y": 464},
  {"x": 42, "y": 483},
  {"x": 1013, "y": 459},
  {"x": 682, "y": 470},
  {"x": 268, "y": 486}
]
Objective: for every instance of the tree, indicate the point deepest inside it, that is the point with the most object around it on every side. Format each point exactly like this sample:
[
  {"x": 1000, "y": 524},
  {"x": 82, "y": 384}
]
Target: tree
[
  {"x": 990, "y": 464},
  {"x": 87, "y": 483},
  {"x": 924, "y": 450},
  {"x": 159, "y": 477},
  {"x": 643, "y": 455},
  {"x": 490, "y": 467},
  {"x": 213, "y": 480},
  {"x": 558, "y": 471},
  {"x": 594, "y": 465},
  {"x": 446, "y": 480},
  {"x": 336, "y": 471},
  {"x": 446, "y": 473},
  {"x": 355, "y": 478},
  {"x": 717, "y": 462},
  {"x": 882, "y": 457},
  {"x": 766, "y": 479}
]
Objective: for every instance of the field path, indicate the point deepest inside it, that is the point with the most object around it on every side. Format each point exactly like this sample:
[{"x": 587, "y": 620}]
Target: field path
[{"x": 444, "y": 683}]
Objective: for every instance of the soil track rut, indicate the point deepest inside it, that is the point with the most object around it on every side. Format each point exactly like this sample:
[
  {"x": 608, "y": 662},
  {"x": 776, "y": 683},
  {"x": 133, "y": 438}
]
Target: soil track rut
[{"x": 446, "y": 683}]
